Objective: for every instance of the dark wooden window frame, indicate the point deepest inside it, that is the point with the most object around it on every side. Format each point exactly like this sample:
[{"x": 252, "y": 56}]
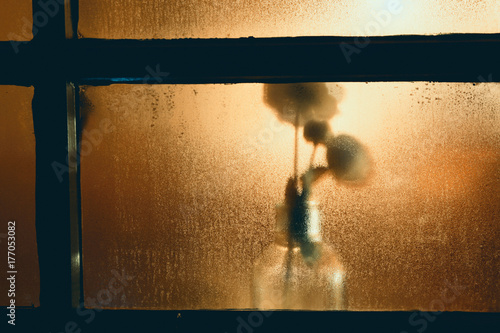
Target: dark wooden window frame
[{"x": 56, "y": 62}]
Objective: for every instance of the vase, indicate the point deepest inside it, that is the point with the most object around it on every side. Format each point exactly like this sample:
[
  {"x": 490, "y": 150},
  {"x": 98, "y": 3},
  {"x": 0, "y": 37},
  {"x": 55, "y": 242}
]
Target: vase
[{"x": 299, "y": 272}]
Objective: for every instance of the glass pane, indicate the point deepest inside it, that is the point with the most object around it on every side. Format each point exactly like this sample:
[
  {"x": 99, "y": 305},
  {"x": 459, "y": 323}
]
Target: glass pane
[
  {"x": 180, "y": 183},
  {"x": 17, "y": 195},
  {"x": 170, "y": 19},
  {"x": 16, "y": 20}
]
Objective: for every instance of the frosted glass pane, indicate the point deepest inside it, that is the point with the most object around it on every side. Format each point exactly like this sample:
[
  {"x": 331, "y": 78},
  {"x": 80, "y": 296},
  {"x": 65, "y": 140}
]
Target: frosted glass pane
[
  {"x": 169, "y": 19},
  {"x": 179, "y": 186},
  {"x": 17, "y": 194},
  {"x": 16, "y": 20}
]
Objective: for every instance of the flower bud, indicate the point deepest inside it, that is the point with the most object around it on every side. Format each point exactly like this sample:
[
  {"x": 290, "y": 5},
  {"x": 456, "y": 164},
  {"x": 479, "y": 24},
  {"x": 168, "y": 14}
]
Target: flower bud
[
  {"x": 317, "y": 131},
  {"x": 348, "y": 159}
]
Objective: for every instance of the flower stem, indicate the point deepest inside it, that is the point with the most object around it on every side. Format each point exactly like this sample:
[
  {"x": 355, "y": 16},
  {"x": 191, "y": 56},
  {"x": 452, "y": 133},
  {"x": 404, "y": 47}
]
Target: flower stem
[
  {"x": 312, "y": 156},
  {"x": 296, "y": 153},
  {"x": 288, "y": 273},
  {"x": 288, "y": 260}
]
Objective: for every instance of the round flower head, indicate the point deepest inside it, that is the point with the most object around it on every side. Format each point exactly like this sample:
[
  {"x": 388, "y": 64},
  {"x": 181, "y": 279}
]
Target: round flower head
[
  {"x": 348, "y": 159},
  {"x": 311, "y": 100},
  {"x": 317, "y": 131}
]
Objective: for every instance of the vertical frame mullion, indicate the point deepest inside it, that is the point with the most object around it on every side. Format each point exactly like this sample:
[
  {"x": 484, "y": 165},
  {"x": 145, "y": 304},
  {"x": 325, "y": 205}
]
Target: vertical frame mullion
[
  {"x": 71, "y": 25},
  {"x": 71, "y": 10},
  {"x": 74, "y": 197},
  {"x": 55, "y": 178}
]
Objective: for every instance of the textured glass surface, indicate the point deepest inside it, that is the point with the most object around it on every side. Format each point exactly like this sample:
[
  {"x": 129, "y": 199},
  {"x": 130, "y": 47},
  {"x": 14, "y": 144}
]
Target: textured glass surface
[
  {"x": 17, "y": 193},
  {"x": 179, "y": 186},
  {"x": 169, "y": 19},
  {"x": 16, "y": 20}
]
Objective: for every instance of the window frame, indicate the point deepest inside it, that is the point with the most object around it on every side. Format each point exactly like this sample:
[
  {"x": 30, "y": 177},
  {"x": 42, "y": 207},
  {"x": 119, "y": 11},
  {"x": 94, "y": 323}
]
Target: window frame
[{"x": 56, "y": 62}]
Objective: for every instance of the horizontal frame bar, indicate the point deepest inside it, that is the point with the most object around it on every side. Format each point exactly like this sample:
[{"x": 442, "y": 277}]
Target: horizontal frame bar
[
  {"x": 98, "y": 320},
  {"x": 445, "y": 58}
]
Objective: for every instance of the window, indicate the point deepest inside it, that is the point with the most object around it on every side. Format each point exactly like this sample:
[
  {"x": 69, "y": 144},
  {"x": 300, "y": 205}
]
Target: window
[
  {"x": 16, "y": 21},
  {"x": 213, "y": 161},
  {"x": 283, "y": 18},
  {"x": 79, "y": 77},
  {"x": 17, "y": 198}
]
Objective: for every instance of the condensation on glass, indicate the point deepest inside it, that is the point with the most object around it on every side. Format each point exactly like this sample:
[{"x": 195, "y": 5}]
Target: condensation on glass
[
  {"x": 16, "y": 20},
  {"x": 179, "y": 185},
  {"x": 17, "y": 194},
  {"x": 167, "y": 19}
]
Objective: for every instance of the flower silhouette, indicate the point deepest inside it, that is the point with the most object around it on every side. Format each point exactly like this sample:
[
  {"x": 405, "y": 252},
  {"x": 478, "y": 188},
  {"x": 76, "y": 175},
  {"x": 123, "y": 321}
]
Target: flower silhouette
[{"x": 312, "y": 101}]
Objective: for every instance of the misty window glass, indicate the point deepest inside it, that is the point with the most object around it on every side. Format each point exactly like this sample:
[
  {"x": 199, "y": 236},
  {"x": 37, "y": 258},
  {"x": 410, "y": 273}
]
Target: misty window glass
[
  {"x": 16, "y": 20},
  {"x": 166, "y": 19},
  {"x": 179, "y": 185},
  {"x": 17, "y": 194}
]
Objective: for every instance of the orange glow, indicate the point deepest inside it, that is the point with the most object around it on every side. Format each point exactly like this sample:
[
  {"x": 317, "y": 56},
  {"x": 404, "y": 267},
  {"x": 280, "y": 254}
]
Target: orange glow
[
  {"x": 17, "y": 194},
  {"x": 181, "y": 194},
  {"x": 455, "y": 174},
  {"x": 16, "y": 20},
  {"x": 170, "y": 19}
]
